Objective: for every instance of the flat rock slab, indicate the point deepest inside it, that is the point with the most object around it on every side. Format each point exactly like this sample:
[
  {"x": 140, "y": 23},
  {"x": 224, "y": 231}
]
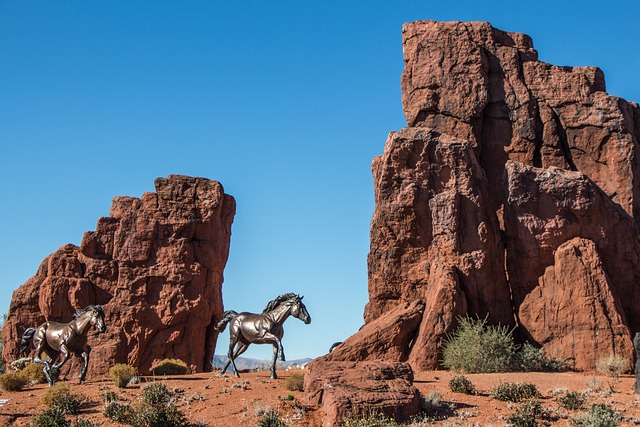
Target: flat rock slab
[{"x": 343, "y": 388}]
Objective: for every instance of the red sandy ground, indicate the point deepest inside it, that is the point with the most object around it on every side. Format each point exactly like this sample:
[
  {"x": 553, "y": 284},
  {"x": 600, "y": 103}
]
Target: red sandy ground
[{"x": 227, "y": 401}]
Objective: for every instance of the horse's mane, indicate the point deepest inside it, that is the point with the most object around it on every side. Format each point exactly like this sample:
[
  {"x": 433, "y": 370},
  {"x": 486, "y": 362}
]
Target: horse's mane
[
  {"x": 79, "y": 312},
  {"x": 276, "y": 302}
]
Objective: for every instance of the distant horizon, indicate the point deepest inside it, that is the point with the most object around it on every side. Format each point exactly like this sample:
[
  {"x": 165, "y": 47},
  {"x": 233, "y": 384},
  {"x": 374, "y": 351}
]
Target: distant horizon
[{"x": 285, "y": 105}]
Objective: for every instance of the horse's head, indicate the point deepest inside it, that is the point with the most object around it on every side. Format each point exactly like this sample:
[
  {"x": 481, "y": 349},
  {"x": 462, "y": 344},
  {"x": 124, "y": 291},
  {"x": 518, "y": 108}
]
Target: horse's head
[
  {"x": 299, "y": 310},
  {"x": 97, "y": 317}
]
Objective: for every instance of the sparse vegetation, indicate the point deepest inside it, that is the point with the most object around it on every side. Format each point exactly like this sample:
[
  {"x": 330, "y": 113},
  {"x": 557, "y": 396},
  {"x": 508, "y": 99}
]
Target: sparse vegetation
[
  {"x": 170, "y": 367},
  {"x": 271, "y": 419},
  {"x": 295, "y": 382},
  {"x": 121, "y": 374},
  {"x": 532, "y": 359},
  {"x": 461, "y": 384},
  {"x": 369, "y": 419},
  {"x": 476, "y": 347},
  {"x": 13, "y": 381},
  {"x": 599, "y": 415},
  {"x": 515, "y": 392},
  {"x": 573, "y": 400}
]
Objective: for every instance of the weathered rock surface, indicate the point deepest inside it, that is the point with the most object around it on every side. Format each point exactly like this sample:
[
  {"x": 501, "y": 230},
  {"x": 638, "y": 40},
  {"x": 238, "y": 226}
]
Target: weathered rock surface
[
  {"x": 505, "y": 160},
  {"x": 574, "y": 307},
  {"x": 155, "y": 265},
  {"x": 340, "y": 389}
]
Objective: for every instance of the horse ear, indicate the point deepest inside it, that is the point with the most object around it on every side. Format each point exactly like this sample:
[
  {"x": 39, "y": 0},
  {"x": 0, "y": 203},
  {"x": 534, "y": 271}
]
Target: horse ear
[{"x": 300, "y": 297}]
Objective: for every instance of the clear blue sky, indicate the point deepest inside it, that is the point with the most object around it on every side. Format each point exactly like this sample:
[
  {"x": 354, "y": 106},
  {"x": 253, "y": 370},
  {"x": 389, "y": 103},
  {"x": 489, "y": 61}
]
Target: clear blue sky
[{"x": 284, "y": 102}]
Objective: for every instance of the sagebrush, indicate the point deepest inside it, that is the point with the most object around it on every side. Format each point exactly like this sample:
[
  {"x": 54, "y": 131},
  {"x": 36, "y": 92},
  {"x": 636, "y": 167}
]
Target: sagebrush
[
  {"x": 461, "y": 384},
  {"x": 59, "y": 397},
  {"x": 515, "y": 392},
  {"x": 170, "y": 367},
  {"x": 121, "y": 374},
  {"x": 13, "y": 381},
  {"x": 295, "y": 382}
]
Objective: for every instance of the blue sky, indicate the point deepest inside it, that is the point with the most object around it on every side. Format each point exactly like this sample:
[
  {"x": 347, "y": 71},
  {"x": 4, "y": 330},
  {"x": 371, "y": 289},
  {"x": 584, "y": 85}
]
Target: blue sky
[{"x": 284, "y": 102}]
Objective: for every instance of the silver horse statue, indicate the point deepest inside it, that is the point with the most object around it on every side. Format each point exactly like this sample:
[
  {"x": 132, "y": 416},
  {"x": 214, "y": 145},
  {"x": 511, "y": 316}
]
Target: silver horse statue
[
  {"x": 266, "y": 328},
  {"x": 54, "y": 339}
]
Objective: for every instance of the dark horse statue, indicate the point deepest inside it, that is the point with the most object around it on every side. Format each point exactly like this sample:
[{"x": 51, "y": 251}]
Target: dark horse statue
[
  {"x": 53, "y": 339},
  {"x": 265, "y": 328}
]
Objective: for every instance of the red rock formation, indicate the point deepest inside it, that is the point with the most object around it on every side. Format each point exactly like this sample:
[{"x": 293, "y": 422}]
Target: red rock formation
[
  {"x": 155, "y": 265},
  {"x": 504, "y": 148},
  {"x": 343, "y": 388}
]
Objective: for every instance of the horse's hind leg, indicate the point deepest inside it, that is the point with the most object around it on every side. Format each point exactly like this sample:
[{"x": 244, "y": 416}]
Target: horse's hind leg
[{"x": 232, "y": 342}]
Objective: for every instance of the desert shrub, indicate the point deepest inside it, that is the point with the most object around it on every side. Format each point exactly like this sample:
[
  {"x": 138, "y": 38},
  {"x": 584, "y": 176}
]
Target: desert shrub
[
  {"x": 59, "y": 397},
  {"x": 598, "y": 415},
  {"x": 148, "y": 415},
  {"x": 477, "y": 347},
  {"x": 526, "y": 414},
  {"x": 514, "y": 392},
  {"x": 13, "y": 381},
  {"x": 51, "y": 417},
  {"x": 121, "y": 374},
  {"x": 118, "y": 412},
  {"x": 81, "y": 422},
  {"x": 170, "y": 367},
  {"x": 461, "y": 384},
  {"x": 110, "y": 396},
  {"x": 34, "y": 373},
  {"x": 612, "y": 365},
  {"x": 271, "y": 420},
  {"x": 531, "y": 359},
  {"x": 573, "y": 400},
  {"x": 295, "y": 382},
  {"x": 156, "y": 394}
]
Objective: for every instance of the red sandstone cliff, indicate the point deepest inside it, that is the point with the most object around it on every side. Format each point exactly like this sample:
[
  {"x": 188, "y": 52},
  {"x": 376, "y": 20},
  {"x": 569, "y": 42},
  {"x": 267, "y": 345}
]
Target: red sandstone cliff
[
  {"x": 513, "y": 193},
  {"x": 155, "y": 265}
]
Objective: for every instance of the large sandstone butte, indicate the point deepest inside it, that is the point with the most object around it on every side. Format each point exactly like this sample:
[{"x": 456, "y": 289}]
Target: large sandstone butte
[
  {"x": 155, "y": 265},
  {"x": 513, "y": 193}
]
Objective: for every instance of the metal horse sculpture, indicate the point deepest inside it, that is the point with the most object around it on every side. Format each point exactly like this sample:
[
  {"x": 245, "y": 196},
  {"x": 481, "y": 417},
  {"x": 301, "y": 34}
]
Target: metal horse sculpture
[
  {"x": 53, "y": 339},
  {"x": 265, "y": 328}
]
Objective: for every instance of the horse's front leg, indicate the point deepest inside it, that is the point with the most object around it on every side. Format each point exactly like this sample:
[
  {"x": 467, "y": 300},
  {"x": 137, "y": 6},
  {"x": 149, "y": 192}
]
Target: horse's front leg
[
  {"x": 275, "y": 358},
  {"x": 277, "y": 343},
  {"x": 85, "y": 357}
]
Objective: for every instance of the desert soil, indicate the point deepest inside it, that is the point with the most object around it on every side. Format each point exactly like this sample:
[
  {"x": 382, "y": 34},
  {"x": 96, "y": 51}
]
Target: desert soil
[{"x": 218, "y": 401}]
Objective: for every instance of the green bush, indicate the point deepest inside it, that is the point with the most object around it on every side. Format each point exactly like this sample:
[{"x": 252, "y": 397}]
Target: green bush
[
  {"x": 51, "y": 417},
  {"x": 148, "y": 415},
  {"x": 271, "y": 420},
  {"x": 34, "y": 373},
  {"x": 120, "y": 413},
  {"x": 573, "y": 400},
  {"x": 81, "y": 422},
  {"x": 461, "y": 384},
  {"x": 526, "y": 414},
  {"x": 531, "y": 359},
  {"x": 599, "y": 415},
  {"x": 60, "y": 398},
  {"x": 121, "y": 374},
  {"x": 295, "y": 382},
  {"x": 156, "y": 394},
  {"x": 170, "y": 367},
  {"x": 13, "y": 381},
  {"x": 477, "y": 347},
  {"x": 515, "y": 392}
]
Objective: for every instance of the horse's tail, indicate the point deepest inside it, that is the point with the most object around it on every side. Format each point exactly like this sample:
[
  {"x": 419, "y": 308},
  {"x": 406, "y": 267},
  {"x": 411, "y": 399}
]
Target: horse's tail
[
  {"x": 227, "y": 316},
  {"x": 25, "y": 341}
]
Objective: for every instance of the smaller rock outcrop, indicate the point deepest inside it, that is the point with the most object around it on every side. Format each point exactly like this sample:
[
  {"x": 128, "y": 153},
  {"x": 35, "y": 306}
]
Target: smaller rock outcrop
[
  {"x": 155, "y": 265},
  {"x": 343, "y": 388}
]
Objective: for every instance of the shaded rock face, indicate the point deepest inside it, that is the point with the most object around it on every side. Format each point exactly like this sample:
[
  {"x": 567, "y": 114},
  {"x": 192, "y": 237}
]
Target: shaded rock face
[
  {"x": 155, "y": 265},
  {"x": 505, "y": 162},
  {"x": 341, "y": 389}
]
